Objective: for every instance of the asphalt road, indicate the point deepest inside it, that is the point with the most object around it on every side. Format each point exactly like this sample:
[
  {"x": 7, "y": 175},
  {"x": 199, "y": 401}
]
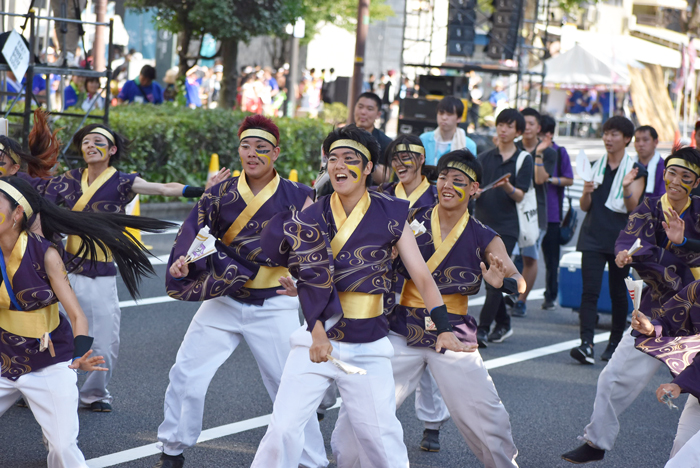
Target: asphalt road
[{"x": 549, "y": 396}]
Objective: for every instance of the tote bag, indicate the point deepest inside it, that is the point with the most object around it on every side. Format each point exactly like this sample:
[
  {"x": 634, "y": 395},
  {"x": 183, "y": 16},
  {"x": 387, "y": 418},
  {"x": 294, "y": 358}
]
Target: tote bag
[{"x": 527, "y": 210}]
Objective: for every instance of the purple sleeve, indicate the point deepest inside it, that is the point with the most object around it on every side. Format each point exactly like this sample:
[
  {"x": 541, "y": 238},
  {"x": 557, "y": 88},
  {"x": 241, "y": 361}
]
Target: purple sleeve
[
  {"x": 689, "y": 379},
  {"x": 565, "y": 170},
  {"x": 659, "y": 184}
]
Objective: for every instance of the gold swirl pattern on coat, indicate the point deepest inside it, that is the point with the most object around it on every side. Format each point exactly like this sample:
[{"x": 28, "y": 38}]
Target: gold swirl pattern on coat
[{"x": 677, "y": 353}]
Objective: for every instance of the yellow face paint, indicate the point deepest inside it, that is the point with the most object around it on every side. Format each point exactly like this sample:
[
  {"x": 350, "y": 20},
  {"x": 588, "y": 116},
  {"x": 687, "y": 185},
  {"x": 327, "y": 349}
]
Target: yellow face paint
[
  {"x": 355, "y": 171},
  {"x": 460, "y": 192},
  {"x": 2, "y": 218},
  {"x": 687, "y": 187},
  {"x": 263, "y": 157},
  {"x": 103, "y": 152}
]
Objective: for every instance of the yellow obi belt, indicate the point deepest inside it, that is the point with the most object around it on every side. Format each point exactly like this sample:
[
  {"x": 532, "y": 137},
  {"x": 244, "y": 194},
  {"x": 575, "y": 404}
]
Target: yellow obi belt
[
  {"x": 267, "y": 277},
  {"x": 357, "y": 305},
  {"x": 73, "y": 245},
  {"x": 410, "y": 297},
  {"x": 32, "y": 323}
]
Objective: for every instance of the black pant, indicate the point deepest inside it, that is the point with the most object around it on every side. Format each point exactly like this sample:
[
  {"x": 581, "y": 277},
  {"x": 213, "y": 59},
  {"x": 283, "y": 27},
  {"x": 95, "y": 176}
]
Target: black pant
[
  {"x": 550, "y": 251},
  {"x": 592, "y": 266},
  {"x": 494, "y": 305}
]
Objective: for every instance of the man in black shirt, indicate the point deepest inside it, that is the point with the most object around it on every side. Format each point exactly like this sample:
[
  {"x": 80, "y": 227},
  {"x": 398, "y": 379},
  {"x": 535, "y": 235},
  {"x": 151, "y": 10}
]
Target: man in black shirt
[
  {"x": 607, "y": 203},
  {"x": 545, "y": 161},
  {"x": 366, "y": 112},
  {"x": 496, "y": 208}
]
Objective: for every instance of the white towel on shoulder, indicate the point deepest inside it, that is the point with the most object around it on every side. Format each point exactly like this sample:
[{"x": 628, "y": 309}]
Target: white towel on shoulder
[{"x": 616, "y": 197}]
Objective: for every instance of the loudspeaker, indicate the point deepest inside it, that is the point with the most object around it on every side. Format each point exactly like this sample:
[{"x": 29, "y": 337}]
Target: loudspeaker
[
  {"x": 461, "y": 18},
  {"x": 418, "y": 109},
  {"x": 416, "y": 127},
  {"x": 440, "y": 85}
]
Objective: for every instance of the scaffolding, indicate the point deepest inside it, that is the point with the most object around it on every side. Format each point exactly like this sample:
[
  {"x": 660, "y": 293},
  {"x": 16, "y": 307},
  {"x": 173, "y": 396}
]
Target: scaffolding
[{"x": 26, "y": 91}]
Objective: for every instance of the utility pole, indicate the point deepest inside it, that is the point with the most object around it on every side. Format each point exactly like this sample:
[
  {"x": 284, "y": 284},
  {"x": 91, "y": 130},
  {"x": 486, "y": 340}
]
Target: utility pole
[
  {"x": 297, "y": 30},
  {"x": 358, "y": 71},
  {"x": 98, "y": 48}
]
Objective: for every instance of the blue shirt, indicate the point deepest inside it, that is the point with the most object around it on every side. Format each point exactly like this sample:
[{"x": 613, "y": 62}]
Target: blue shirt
[
  {"x": 131, "y": 92},
  {"x": 432, "y": 155},
  {"x": 70, "y": 96},
  {"x": 192, "y": 93}
]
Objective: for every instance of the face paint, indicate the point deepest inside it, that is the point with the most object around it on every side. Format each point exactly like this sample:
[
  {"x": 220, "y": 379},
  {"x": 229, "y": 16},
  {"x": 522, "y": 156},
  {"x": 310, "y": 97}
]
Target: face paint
[
  {"x": 103, "y": 152},
  {"x": 460, "y": 192},
  {"x": 685, "y": 185},
  {"x": 354, "y": 169},
  {"x": 263, "y": 157},
  {"x": 2, "y": 218},
  {"x": 3, "y": 169}
]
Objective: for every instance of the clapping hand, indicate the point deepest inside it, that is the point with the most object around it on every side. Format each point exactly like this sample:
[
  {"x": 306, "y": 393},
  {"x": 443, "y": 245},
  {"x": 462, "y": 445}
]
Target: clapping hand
[
  {"x": 496, "y": 272},
  {"x": 630, "y": 177},
  {"x": 675, "y": 227},
  {"x": 87, "y": 363},
  {"x": 290, "y": 287}
]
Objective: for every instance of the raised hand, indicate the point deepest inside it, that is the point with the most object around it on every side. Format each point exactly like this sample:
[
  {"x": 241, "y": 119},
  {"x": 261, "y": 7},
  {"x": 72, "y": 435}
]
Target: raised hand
[
  {"x": 290, "y": 287},
  {"x": 675, "y": 228},
  {"x": 448, "y": 340},
  {"x": 87, "y": 363},
  {"x": 629, "y": 178},
  {"x": 219, "y": 177},
  {"x": 496, "y": 272},
  {"x": 179, "y": 268},
  {"x": 623, "y": 258}
]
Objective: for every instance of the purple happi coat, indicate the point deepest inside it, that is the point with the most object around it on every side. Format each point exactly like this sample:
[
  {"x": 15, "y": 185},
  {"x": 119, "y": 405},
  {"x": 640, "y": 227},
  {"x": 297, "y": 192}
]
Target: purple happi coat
[
  {"x": 226, "y": 272},
  {"x": 20, "y": 355},
  {"x": 665, "y": 268},
  {"x": 676, "y": 339},
  {"x": 303, "y": 240},
  {"x": 458, "y": 273},
  {"x": 112, "y": 197}
]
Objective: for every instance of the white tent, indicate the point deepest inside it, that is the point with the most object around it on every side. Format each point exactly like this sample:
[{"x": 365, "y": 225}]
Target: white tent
[{"x": 579, "y": 67}]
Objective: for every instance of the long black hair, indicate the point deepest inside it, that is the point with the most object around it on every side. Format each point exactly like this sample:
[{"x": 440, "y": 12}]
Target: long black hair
[
  {"x": 98, "y": 231},
  {"x": 120, "y": 141},
  {"x": 407, "y": 139},
  {"x": 44, "y": 148}
]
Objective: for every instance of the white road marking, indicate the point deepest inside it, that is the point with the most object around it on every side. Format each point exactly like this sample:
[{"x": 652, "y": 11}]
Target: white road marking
[
  {"x": 145, "y": 301},
  {"x": 262, "y": 421}
]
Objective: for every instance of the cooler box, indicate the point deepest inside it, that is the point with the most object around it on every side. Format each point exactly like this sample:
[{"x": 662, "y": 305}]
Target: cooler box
[{"x": 571, "y": 285}]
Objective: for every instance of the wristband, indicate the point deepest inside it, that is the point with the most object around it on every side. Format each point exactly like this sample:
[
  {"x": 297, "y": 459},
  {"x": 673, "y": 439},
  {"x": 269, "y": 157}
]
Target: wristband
[
  {"x": 629, "y": 196},
  {"x": 192, "y": 192},
  {"x": 511, "y": 193},
  {"x": 510, "y": 286},
  {"x": 558, "y": 181},
  {"x": 441, "y": 320},
  {"x": 81, "y": 345},
  {"x": 538, "y": 156},
  {"x": 539, "y": 164},
  {"x": 685, "y": 239}
]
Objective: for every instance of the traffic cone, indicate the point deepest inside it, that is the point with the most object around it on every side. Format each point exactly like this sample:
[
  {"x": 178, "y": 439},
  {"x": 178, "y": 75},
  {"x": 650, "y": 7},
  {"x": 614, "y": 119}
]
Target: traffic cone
[
  {"x": 677, "y": 139},
  {"x": 236, "y": 173},
  {"x": 213, "y": 165},
  {"x": 294, "y": 175},
  {"x": 134, "y": 209}
]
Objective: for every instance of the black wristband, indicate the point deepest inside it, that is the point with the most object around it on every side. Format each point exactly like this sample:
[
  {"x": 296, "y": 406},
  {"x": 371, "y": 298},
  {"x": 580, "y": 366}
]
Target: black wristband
[
  {"x": 81, "y": 345},
  {"x": 441, "y": 320},
  {"x": 510, "y": 286},
  {"x": 192, "y": 192}
]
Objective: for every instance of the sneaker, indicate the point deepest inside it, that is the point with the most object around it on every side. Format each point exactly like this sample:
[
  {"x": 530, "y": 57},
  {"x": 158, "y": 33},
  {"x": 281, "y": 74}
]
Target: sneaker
[
  {"x": 431, "y": 440},
  {"x": 584, "y": 454},
  {"x": 100, "y": 407},
  {"x": 609, "y": 350},
  {"x": 22, "y": 403},
  {"x": 320, "y": 416},
  {"x": 519, "y": 309},
  {"x": 170, "y": 461},
  {"x": 548, "y": 305},
  {"x": 500, "y": 333},
  {"x": 583, "y": 353},
  {"x": 482, "y": 337}
]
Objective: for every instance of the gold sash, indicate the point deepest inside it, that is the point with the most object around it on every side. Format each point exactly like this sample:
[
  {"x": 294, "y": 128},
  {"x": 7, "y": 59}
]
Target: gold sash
[
  {"x": 74, "y": 243},
  {"x": 267, "y": 277},
  {"x": 253, "y": 204},
  {"x": 665, "y": 206},
  {"x": 346, "y": 225},
  {"x": 456, "y": 303},
  {"x": 32, "y": 323},
  {"x": 358, "y": 305},
  {"x": 410, "y": 297},
  {"x": 415, "y": 195}
]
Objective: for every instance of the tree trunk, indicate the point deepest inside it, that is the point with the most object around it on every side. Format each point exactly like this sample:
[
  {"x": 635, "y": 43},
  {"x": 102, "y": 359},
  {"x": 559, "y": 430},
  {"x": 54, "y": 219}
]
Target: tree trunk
[
  {"x": 229, "y": 55},
  {"x": 184, "y": 39}
]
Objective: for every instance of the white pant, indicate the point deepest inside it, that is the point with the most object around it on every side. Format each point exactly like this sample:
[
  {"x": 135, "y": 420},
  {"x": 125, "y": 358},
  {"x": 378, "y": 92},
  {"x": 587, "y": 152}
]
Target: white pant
[
  {"x": 216, "y": 330},
  {"x": 52, "y": 395},
  {"x": 622, "y": 380},
  {"x": 98, "y": 299},
  {"x": 686, "y": 446},
  {"x": 368, "y": 400},
  {"x": 430, "y": 407}
]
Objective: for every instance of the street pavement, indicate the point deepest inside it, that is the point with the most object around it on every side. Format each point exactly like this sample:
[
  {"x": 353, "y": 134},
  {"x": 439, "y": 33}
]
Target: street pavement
[{"x": 548, "y": 395}]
